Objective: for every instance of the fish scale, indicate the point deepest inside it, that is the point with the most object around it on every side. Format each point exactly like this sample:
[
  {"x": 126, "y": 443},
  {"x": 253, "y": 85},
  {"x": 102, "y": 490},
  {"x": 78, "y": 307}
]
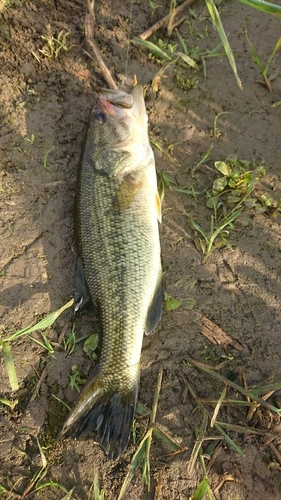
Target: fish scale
[{"x": 118, "y": 266}]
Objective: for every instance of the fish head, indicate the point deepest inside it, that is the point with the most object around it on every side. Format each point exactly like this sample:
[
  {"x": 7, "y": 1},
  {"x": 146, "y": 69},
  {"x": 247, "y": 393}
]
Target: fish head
[{"x": 118, "y": 132}]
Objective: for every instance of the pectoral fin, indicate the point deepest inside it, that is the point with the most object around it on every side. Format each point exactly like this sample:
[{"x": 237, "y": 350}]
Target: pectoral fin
[
  {"x": 154, "y": 312},
  {"x": 126, "y": 193},
  {"x": 81, "y": 293},
  {"x": 158, "y": 207}
]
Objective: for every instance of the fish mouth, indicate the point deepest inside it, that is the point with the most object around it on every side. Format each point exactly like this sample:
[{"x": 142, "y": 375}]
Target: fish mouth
[{"x": 116, "y": 98}]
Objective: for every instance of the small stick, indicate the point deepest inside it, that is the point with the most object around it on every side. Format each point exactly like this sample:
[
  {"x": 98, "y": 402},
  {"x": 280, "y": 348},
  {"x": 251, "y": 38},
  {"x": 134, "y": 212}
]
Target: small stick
[
  {"x": 224, "y": 478},
  {"x": 252, "y": 409},
  {"x": 89, "y": 32},
  {"x": 184, "y": 393},
  {"x": 39, "y": 383},
  {"x": 213, "y": 458},
  {"x": 165, "y": 20},
  {"x": 275, "y": 452},
  {"x": 156, "y": 395}
]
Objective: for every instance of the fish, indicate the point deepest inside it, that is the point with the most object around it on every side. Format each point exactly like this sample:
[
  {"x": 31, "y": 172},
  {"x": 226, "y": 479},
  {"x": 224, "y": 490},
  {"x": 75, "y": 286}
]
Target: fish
[{"x": 117, "y": 210}]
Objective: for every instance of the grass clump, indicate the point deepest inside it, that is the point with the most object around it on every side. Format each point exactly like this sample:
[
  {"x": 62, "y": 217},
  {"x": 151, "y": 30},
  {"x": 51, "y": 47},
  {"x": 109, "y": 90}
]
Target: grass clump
[{"x": 227, "y": 197}]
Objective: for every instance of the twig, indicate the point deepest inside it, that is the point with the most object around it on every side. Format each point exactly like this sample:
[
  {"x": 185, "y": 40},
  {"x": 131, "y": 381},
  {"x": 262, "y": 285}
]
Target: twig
[
  {"x": 89, "y": 34},
  {"x": 224, "y": 478},
  {"x": 252, "y": 410},
  {"x": 184, "y": 393},
  {"x": 275, "y": 452},
  {"x": 165, "y": 20},
  {"x": 156, "y": 395},
  {"x": 39, "y": 383},
  {"x": 213, "y": 458}
]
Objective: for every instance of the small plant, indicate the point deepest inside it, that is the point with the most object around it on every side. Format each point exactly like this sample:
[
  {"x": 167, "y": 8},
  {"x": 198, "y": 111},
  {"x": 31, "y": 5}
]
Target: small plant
[
  {"x": 216, "y": 132},
  {"x": 235, "y": 186},
  {"x": 55, "y": 45},
  {"x": 141, "y": 457},
  {"x": 30, "y": 139},
  {"x": 227, "y": 197},
  {"x": 45, "y": 159},
  {"x": 210, "y": 409},
  {"x": 207, "y": 243},
  {"x": 165, "y": 52},
  {"x": 264, "y": 69},
  {"x": 76, "y": 378},
  {"x": 5, "y": 343},
  {"x": 165, "y": 181},
  {"x": 38, "y": 482},
  {"x": 96, "y": 493},
  {"x": 153, "y": 6}
]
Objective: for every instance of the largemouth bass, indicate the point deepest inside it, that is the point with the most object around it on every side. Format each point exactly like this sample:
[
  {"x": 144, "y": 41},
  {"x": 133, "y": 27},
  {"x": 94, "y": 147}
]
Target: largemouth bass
[{"x": 118, "y": 265}]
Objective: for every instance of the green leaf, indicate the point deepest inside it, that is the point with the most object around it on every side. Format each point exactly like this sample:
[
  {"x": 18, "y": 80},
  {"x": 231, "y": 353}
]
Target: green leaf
[
  {"x": 277, "y": 47},
  {"x": 135, "y": 463},
  {"x": 254, "y": 54},
  {"x": 237, "y": 171},
  {"x": 170, "y": 303},
  {"x": 263, "y": 6},
  {"x": 201, "y": 490},
  {"x": 44, "y": 323},
  {"x": 217, "y": 22},
  {"x": 189, "y": 304},
  {"x": 169, "y": 442},
  {"x": 219, "y": 185},
  {"x": 212, "y": 202},
  {"x": 10, "y": 367},
  {"x": 229, "y": 440},
  {"x": 222, "y": 167},
  {"x": 152, "y": 47},
  {"x": 187, "y": 59},
  {"x": 91, "y": 344}
]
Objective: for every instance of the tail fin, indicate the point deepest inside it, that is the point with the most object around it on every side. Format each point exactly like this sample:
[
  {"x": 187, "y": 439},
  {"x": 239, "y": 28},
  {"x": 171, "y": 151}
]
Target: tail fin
[{"x": 106, "y": 414}]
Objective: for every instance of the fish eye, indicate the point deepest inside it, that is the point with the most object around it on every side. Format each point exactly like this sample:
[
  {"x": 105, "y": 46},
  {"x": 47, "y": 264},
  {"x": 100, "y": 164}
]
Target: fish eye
[{"x": 99, "y": 117}]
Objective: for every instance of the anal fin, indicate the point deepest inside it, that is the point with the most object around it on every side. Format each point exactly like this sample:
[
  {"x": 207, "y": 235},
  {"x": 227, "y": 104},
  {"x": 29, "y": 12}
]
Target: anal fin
[
  {"x": 154, "y": 312},
  {"x": 81, "y": 293}
]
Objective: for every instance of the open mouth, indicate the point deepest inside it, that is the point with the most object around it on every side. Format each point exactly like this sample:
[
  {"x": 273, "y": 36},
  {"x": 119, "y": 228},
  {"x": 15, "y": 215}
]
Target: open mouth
[{"x": 117, "y": 98}]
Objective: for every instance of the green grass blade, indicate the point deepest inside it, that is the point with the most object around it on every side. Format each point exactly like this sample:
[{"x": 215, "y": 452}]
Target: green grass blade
[
  {"x": 142, "y": 410},
  {"x": 222, "y": 225},
  {"x": 277, "y": 47},
  {"x": 44, "y": 323},
  {"x": 235, "y": 386},
  {"x": 187, "y": 59},
  {"x": 201, "y": 490},
  {"x": 169, "y": 442},
  {"x": 269, "y": 8},
  {"x": 9, "y": 402},
  {"x": 203, "y": 159},
  {"x": 134, "y": 465},
  {"x": 218, "y": 24},
  {"x": 197, "y": 228},
  {"x": 247, "y": 430},
  {"x": 152, "y": 47},
  {"x": 229, "y": 440},
  {"x": 197, "y": 445},
  {"x": 254, "y": 54},
  {"x": 10, "y": 367},
  {"x": 217, "y": 408}
]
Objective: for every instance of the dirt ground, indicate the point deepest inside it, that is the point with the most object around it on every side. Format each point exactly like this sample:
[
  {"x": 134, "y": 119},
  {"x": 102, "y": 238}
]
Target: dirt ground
[{"x": 44, "y": 107}]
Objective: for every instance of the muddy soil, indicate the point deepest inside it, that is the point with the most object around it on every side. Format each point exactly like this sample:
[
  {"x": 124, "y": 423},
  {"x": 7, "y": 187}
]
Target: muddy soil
[{"x": 45, "y": 100}]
